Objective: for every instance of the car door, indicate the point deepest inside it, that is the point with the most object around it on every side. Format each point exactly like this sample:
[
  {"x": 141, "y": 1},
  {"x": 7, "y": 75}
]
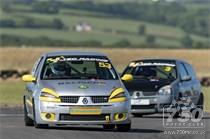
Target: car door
[
  {"x": 185, "y": 82},
  {"x": 195, "y": 84},
  {"x": 30, "y": 87}
]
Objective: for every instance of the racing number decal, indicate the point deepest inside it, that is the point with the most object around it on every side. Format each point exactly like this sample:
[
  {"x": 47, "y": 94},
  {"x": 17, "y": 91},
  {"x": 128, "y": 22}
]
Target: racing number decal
[
  {"x": 104, "y": 65},
  {"x": 167, "y": 68}
]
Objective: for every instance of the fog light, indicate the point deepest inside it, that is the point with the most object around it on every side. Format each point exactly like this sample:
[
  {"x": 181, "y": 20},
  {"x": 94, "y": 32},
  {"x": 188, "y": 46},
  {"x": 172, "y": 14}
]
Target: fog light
[
  {"x": 48, "y": 116},
  {"x": 119, "y": 116}
]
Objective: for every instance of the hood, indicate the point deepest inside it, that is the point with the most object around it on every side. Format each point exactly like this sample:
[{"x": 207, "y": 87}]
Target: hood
[
  {"x": 146, "y": 85},
  {"x": 81, "y": 87}
]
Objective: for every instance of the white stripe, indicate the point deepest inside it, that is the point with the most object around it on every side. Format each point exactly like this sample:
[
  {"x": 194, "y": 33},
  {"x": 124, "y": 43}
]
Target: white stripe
[{"x": 11, "y": 115}]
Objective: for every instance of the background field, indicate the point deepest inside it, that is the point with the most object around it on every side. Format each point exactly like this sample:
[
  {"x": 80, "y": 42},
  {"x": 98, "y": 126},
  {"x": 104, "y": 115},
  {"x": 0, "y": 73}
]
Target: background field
[{"x": 24, "y": 58}]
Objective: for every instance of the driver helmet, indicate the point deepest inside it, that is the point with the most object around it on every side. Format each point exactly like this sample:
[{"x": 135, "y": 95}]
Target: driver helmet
[{"x": 59, "y": 68}]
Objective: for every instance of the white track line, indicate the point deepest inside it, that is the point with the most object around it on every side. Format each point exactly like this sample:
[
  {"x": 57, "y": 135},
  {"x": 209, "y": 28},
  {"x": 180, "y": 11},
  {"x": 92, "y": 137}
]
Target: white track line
[{"x": 11, "y": 115}]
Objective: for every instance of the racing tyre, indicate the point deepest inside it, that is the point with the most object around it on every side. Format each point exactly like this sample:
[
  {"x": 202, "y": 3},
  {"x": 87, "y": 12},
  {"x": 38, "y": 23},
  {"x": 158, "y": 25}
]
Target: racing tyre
[
  {"x": 137, "y": 115},
  {"x": 109, "y": 127},
  {"x": 176, "y": 115},
  {"x": 201, "y": 101},
  {"x": 27, "y": 120},
  {"x": 124, "y": 127},
  {"x": 36, "y": 125},
  {"x": 43, "y": 126}
]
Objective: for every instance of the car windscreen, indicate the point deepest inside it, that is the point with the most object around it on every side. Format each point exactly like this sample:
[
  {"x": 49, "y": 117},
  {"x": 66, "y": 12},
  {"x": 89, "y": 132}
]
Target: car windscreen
[
  {"x": 152, "y": 71},
  {"x": 78, "y": 67}
]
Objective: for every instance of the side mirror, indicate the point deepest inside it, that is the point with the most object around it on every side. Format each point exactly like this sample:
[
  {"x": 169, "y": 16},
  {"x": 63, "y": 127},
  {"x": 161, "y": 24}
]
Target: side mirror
[
  {"x": 28, "y": 78},
  {"x": 186, "y": 78},
  {"x": 127, "y": 77}
]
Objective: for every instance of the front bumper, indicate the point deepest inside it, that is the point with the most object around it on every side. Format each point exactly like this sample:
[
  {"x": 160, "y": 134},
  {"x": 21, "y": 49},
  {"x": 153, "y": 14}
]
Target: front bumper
[
  {"x": 154, "y": 104},
  {"x": 61, "y": 113}
]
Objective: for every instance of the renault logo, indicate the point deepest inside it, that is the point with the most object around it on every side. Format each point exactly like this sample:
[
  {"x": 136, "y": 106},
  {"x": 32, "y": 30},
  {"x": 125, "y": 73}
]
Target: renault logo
[{"x": 85, "y": 101}]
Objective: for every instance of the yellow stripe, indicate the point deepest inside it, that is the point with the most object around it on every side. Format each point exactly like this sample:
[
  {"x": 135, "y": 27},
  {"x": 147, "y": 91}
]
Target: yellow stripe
[
  {"x": 49, "y": 99},
  {"x": 50, "y": 91},
  {"x": 116, "y": 92},
  {"x": 121, "y": 99}
]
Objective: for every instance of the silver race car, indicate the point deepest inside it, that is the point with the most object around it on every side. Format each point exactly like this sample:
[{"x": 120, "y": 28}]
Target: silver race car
[{"x": 76, "y": 88}]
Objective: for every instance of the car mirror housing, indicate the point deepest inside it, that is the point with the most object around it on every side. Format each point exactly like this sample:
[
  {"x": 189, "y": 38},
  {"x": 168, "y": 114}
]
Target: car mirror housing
[
  {"x": 186, "y": 78},
  {"x": 127, "y": 77},
  {"x": 28, "y": 78}
]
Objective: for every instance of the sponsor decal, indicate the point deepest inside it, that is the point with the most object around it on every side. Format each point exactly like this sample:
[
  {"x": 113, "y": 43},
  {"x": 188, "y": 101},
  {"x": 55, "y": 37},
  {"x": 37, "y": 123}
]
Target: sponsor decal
[
  {"x": 62, "y": 58},
  {"x": 83, "y": 86},
  {"x": 133, "y": 64},
  {"x": 82, "y": 82}
]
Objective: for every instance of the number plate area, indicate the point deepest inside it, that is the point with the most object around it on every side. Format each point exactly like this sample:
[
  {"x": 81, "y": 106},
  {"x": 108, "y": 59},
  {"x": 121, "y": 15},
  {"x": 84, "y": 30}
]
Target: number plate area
[
  {"x": 85, "y": 110},
  {"x": 140, "y": 101}
]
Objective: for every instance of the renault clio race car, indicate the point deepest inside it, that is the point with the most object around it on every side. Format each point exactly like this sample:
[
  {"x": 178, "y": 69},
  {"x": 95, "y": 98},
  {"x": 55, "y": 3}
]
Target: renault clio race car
[
  {"x": 162, "y": 84},
  {"x": 76, "y": 88}
]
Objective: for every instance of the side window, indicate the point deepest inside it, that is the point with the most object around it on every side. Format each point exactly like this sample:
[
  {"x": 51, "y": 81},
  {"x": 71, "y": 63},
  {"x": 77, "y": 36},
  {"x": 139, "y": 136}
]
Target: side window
[
  {"x": 182, "y": 70},
  {"x": 35, "y": 67},
  {"x": 191, "y": 71}
]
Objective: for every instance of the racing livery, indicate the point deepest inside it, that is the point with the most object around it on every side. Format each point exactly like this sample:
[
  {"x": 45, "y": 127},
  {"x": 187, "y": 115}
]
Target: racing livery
[
  {"x": 76, "y": 88},
  {"x": 155, "y": 84}
]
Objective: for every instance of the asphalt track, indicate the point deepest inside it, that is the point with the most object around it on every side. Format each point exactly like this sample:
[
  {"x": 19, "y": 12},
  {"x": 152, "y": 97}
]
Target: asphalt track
[{"x": 148, "y": 127}]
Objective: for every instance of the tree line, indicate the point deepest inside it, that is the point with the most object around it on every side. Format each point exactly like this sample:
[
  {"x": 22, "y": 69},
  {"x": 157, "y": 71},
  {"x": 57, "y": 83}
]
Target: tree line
[{"x": 32, "y": 23}]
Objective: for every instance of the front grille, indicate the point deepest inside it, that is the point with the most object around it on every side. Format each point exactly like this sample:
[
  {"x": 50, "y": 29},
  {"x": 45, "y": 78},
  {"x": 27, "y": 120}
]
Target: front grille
[
  {"x": 149, "y": 93},
  {"x": 100, "y": 99},
  {"x": 152, "y": 106},
  {"x": 69, "y": 99},
  {"x": 68, "y": 117}
]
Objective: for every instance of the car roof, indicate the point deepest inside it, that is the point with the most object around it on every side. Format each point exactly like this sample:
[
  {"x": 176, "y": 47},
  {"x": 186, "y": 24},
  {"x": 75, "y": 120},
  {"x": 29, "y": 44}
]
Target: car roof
[
  {"x": 160, "y": 59},
  {"x": 73, "y": 53}
]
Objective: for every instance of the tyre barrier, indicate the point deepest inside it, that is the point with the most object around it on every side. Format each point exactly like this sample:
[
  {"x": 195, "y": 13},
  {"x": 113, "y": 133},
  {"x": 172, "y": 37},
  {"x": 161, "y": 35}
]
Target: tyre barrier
[
  {"x": 6, "y": 74},
  {"x": 205, "y": 81}
]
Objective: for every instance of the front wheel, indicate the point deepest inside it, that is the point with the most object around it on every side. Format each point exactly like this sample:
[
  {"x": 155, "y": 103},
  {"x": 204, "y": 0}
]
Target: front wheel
[
  {"x": 28, "y": 121},
  {"x": 43, "y": 126},
  {"x": 123, "y": 127},
  {"x": 37, "y": 125},
  {"x": 200, "y": 101}
]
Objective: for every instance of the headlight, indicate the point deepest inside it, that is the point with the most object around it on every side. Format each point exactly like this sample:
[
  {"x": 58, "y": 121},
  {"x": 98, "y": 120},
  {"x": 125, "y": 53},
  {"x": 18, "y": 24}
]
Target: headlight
[
  {"x": 118, "y": 95},
  {"x": 49, "y": 95},
  {"x": 166, "y": 90}
]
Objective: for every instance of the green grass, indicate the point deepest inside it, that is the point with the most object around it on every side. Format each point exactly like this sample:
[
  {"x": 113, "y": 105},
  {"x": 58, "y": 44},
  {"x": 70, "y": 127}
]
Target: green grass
[
  {"x": 206, "y": 92},
  {"x": 11, "y": 93}
]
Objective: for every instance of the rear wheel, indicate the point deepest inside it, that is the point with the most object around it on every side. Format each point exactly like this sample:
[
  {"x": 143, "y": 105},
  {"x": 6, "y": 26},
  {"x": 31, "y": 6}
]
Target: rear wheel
[
  {"x": 123, "y": 127},
  {"x": 196, "y": 113},
  {"x": 109, "y": 127},
  {"x": 36, "y": 125},
  {"x": 28, "y": 121}
]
